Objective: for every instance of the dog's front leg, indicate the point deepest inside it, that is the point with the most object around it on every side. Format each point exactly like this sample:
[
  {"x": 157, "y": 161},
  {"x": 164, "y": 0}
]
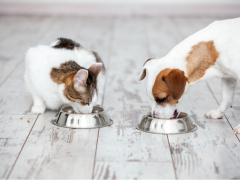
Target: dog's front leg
[{"x": 228, "y": 90}]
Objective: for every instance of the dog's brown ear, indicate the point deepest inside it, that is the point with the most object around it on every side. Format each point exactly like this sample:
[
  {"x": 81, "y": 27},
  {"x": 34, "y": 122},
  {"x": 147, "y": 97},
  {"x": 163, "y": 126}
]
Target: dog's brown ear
[
  {"x": 142, "y": 74},
  {"x": 176, "y": 82},
  {"x": 144, "y": 69}
]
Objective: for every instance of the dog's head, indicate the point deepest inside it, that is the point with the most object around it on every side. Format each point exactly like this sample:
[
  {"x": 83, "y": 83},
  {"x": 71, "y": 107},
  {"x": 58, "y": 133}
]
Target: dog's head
[{"x": 165, "y": 86}]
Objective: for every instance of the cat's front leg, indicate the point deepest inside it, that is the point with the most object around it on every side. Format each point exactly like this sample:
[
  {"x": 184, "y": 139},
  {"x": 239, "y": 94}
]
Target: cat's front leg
[{"x": 39, "y": 106}]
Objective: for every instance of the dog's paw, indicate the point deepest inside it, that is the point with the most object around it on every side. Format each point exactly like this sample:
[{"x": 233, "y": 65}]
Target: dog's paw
[
  {"x": 214, "y": 114},
  {"x": 38, "y": 109},
  {"x": 236, "y": 130}
]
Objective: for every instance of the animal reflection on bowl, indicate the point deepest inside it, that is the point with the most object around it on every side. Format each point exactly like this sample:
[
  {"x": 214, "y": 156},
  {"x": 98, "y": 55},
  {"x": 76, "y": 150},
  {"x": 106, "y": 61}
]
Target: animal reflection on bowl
[
  {"x": 180, "y": 125},
  {"x": 69, "y": 119}
]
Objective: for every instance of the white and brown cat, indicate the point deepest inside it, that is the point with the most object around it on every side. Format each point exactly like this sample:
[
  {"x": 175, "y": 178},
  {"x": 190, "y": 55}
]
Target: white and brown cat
[{"x": 64, "y": 73}]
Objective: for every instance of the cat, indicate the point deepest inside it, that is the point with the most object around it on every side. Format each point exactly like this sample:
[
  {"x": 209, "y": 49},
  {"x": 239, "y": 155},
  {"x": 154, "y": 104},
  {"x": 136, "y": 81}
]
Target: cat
[{"x": 64, "y": 73}]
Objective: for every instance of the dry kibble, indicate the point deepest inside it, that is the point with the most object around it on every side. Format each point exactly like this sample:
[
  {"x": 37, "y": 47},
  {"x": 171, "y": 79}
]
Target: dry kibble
[
  {"x": 28, "y": 121},
  {"x": 21, "y": 118}
]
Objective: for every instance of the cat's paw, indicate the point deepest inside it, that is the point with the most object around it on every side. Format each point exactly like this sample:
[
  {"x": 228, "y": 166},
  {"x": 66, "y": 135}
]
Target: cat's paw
[
  {"x": 38, "y": 109},
  {"x": 236, "y": 130},
  {"x": 214, "y": 114}
]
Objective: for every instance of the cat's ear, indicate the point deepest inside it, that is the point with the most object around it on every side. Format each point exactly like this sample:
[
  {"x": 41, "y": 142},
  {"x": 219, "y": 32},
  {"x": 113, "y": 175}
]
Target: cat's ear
[
  {"x": 80, "y": 80},
  {"x": 96, "y": 68}
]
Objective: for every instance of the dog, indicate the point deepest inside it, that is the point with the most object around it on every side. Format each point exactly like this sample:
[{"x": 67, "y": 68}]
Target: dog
[{"x": 211, "y": 52}]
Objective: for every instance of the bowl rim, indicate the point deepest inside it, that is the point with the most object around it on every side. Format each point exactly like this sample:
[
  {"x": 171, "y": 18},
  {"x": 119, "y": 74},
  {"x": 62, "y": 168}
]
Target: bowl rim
[
  {"x": 82, "y": 114},
  {"x": 150, "y": 116},
  {"x": 54, "y": 122}
]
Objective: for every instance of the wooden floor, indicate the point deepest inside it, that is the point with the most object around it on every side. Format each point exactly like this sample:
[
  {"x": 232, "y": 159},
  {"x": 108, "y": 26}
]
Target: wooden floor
[{"x": 31, "y": 147}]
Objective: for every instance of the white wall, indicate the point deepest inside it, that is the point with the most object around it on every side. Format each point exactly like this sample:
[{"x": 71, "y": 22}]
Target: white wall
[
  {"x": 165, "y": 2},
  {"x": 190, "y": 8}
]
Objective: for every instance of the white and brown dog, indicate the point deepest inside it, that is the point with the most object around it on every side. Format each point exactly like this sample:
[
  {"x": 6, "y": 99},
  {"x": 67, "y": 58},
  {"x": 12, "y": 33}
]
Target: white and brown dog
[{"x": 211, "y": 52}]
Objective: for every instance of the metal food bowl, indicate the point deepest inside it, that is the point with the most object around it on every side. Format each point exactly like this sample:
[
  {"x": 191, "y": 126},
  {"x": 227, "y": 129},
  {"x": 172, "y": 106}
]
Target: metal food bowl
[
  {"x": 180, "y": 125},
  {"x": 69, "y": 119}
]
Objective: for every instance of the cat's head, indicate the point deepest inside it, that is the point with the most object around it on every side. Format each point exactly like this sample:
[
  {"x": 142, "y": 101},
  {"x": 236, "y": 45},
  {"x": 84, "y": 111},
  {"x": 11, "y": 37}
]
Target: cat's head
[{"x": 81, "y": 88}]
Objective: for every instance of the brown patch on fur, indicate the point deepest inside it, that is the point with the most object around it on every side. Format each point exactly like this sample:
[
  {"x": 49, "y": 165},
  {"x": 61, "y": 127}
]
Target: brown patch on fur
[
  {"x": 69, "y": 79},
  {"x": 148, "y": 60},
  {"x": 66, "y": 69},
  {"x": 98, "y": 59},
  {"x": 169, "y": 83},
  {"x": 200, "y": 58},
  {"x": 65, "y": 74},
  {"x": 67, "y": 44}
]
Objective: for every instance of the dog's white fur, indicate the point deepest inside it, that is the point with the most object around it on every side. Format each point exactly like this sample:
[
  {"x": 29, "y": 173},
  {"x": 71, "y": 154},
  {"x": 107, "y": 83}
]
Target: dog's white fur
[
  {"x": 47, "y": 94},
  {"x": 226, "y": 37}
]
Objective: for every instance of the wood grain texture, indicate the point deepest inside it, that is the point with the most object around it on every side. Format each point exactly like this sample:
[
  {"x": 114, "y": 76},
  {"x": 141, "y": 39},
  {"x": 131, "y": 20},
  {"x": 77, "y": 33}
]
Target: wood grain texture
[
  {"x": 17, "y": 34},
  {"x": 124, "y": 152},
  {"x": 131, "y": 170},
  {"x": 55, "y": 152},
  {"x": 210, "y": 152},
  {"x": 14, "y": 98},
  {"x": 62, "y": 152},
  {"x": 13, "y": 132},
  {"x": 24, "y": 34}
]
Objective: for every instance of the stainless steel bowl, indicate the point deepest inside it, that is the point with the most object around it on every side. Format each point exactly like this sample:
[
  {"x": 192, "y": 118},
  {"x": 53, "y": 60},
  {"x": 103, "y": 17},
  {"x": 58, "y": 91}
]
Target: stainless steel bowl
[
  {"x": 67, "y": 118},
  {"x": 166, "y": 126}
]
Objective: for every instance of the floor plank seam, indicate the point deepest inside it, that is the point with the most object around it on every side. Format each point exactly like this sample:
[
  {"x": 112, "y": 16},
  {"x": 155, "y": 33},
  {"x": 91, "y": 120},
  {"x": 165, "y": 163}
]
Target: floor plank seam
[
  {"x": 174, "y": 168},
  {"x": 108, "y": 59},
  {"x": 21, "y": 149},
  {"x": 218, "y": 104},
  {"x": 231, "y": 127},
  {"x": 21, "y": 61},
  {"x": 149, "y": 53},
  {"x": 95, "y": 155},
  {"x": 11, "y": 72},
  {"x": 105, "y": 85}
]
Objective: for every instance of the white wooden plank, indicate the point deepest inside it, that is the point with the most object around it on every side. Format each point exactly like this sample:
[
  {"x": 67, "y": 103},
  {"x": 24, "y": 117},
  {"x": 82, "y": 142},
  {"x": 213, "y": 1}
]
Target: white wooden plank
[
  {"x": 131, "y": 170},
  {"x": 212, "y": 151},
  {"x": 54, "y": 152},
  {"x": 233, "y": 113},
  {"x": 162, "y": 36},
  {"x": 13, "y": 131},
  {"x": 14, "y": 98},
  {"x": 121, "y": 148},
  {"x": 8, "y": 25},
  {"x": 13, "y": 47},
  {"x": 60, "y": 152}
]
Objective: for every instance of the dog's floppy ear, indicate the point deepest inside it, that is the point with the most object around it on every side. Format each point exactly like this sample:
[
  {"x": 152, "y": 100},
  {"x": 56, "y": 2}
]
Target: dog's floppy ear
[
  {"x": 146, "y": 66},
  {"x": 176, "y": 82}
]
